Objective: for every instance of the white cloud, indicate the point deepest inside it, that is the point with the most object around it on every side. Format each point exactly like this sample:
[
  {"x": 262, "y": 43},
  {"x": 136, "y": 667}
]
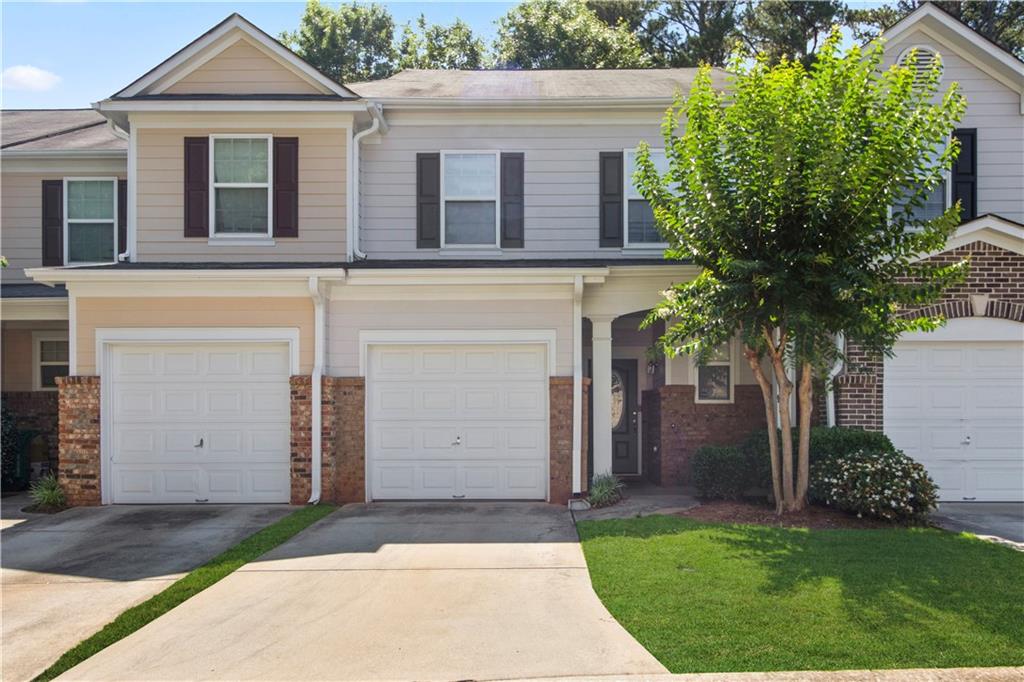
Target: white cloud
[{"x": 31, "y": 78}]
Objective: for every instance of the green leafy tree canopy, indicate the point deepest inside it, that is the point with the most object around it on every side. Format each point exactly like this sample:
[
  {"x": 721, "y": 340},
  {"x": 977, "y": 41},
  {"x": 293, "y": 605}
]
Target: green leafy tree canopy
[{"x": 440, "y": 47}]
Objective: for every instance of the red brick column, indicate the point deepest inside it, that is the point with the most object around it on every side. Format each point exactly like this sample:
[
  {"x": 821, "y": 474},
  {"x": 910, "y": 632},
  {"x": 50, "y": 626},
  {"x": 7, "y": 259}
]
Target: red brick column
[
  {"x": 79, "y": 450},
  {"x": 349, "y": 441},
  {"x": 560, "y": 438},
  {"x": 301, "y": 439}
]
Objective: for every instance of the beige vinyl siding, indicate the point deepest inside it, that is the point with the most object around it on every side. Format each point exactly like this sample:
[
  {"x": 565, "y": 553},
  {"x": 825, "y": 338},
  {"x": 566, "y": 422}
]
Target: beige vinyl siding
[
  {"x": 348, "y": 317},
  {"x": 243, "y": 69},
  {"x": 994, "y": 109},
  {"x": 322, "y": 196},
  {"x": 17, "y": 359},
  {"x": 560, "y": 181},
  {"x": 21, "y": 220},
  {"x": 103, "y": 313}
]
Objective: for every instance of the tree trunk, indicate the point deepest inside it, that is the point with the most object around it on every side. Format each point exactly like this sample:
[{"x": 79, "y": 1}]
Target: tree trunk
[
  {"x": 769, "y": 408},
  {"x": 805, "y": 398},
  {"x": 786, "y": 426}
]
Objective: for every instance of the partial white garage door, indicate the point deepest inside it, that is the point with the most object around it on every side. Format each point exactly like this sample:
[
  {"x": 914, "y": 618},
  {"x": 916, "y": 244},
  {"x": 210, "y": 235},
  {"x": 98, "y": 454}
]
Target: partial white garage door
[
  {"x": 958, "y": 408},
  {"x": 457, "y": 422},
  {"x": 200, "y": 423}
]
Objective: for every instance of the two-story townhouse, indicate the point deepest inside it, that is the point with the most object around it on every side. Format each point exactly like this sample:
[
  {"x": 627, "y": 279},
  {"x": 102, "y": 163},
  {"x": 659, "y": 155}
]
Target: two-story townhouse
[{"x": 429, "y": 287}]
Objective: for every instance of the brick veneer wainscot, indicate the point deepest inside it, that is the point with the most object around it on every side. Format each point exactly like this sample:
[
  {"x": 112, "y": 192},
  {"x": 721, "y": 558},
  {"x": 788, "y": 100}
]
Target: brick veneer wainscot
[
  {"x": 79, "y": 449},
  {"x": 994, "y": 272},
  {"x": 560, "y": 438},
  {"x": 37, "y": 412}
]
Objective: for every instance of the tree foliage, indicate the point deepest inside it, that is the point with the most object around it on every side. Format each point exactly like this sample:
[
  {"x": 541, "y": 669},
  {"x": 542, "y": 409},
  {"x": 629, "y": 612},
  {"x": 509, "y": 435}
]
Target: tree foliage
[
  {"x": 564, "y": 34},
  {"x": 351, "y": 43},
  {"x": 434, "y": 46},
  {"x": 789, "y": 28},
  {"x": 780, "y": 191}
]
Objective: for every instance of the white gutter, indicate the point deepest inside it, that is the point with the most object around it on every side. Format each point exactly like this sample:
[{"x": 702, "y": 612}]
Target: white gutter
[
  {"x": 316, "y": 384},
  {"x": 830, "y": 394},
  {"x": 577, "y": 384},
  {"x": 377, "y": 114}
]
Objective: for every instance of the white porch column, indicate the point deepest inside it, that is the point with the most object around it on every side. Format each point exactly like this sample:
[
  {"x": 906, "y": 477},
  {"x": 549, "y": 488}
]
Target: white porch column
[{"x": 601, "y": 393}]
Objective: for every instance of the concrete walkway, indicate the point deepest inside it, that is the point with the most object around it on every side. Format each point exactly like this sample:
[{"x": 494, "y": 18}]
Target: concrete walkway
[
  {"x": 64, "y": 576},
  {"x": 394, "y": 591},
  {"x": 999, "y": 520}
]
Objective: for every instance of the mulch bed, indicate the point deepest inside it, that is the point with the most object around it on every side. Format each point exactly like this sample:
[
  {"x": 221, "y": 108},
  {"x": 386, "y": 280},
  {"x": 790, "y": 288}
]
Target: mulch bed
[
  {"x": 42, "y": 509},
  {"x": 720, "y": 511}
]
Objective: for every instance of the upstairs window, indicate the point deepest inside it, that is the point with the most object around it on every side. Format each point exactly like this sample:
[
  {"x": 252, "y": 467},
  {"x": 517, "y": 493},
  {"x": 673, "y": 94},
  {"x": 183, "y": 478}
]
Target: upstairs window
[
  {"x": 90, "y": 220},
  {"x": 240, "y": 172},
  {"x": 640, "y": 226},
  {"x": 469, "y": 190},
  {"x": 933, "y": 204},
  {"x": 715, "y": 377}
]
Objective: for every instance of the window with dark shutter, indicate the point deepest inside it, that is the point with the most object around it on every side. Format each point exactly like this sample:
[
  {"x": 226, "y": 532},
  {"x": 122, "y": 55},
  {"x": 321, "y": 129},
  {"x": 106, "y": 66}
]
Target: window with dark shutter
[
  {"x": 197, "y": 187},
  {"x": 286, "y": 187},
  {"x": 122, "y": 216},
  {"x": 512, "y": 200},
  {"x": 610, "y": 197},
  {"x": 53, "y": 222},
  {"x": 428, "y": 201},
  {"x": 965, "y": 173}
]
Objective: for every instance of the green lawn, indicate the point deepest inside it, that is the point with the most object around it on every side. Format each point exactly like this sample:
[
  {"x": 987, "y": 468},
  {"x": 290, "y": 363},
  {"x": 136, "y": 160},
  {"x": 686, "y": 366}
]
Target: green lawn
[
  {"x": 709, "y": 598},
  {"x": 219, "y": 567}
]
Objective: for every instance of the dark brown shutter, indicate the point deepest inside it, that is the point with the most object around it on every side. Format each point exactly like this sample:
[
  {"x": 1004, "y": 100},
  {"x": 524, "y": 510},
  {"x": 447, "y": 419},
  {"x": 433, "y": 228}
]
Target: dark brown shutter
[
  {"x": 286, "y": 187},
  {"x": 428, "y": 201},
  {"x": 512, "y": 201},
  {"x": 122, "y": 216},
  {"x": 610, "y": 196},
  {"x": 197, "y": 187},
  {"x": 53, "y": 222},
  {"x": 965, "y": 173}
]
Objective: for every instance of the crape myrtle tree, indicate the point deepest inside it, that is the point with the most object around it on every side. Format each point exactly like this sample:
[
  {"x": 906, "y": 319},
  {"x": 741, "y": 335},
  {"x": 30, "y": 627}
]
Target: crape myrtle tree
[{"x": 793, "y": 191}]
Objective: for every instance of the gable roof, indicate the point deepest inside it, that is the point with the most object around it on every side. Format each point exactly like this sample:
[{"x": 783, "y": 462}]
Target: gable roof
[
  {"x": 533, "y": 85},
  {"x": 212, "y": 43},
  {"x": 55, "y": 130},
  {"x": 995, "y": 60}
]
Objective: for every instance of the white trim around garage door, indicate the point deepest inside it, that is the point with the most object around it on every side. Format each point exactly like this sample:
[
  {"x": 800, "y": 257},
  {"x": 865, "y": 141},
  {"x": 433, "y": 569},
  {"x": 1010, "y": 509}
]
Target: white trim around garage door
[
  {"x": 971, "y": 329},
  {"x": 106, "y": 338},
  {"x": 369, "y": 338}
]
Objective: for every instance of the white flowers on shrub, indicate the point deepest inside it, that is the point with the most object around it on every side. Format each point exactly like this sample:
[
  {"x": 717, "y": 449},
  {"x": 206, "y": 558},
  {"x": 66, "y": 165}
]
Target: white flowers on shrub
[{"x": 884, "y": 485}]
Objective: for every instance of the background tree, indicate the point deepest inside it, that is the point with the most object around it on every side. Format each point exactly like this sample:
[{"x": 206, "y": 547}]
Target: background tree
[
  {"x": 789, "y": 28},
  {"x": 351, "y": 43},
  {"x": 564, "y": 34},
  {"x": 1000, "y": 21},
  {"x": 780, "y": 190},
  {"x": 440, "y": 47}
]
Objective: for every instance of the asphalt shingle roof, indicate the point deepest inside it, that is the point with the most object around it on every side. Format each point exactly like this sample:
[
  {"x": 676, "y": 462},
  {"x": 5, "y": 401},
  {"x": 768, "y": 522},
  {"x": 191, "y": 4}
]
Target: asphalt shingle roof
[{"x": 57, "y": 130}]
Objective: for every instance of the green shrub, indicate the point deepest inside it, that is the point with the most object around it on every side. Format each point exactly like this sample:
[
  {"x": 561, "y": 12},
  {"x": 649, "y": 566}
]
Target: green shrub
[
  {"x": 721, "y": 472},
  {"x": 46, "y": 492},
  {"x": 605, "y": 490},
  {"x": 882, "y": 484}
]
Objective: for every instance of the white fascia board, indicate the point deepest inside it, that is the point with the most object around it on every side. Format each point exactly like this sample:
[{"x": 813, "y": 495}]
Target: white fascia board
[
  {"x": 988, "y": 229},
  {"x": 474, "y": 276},
  {"x": 552, "y": 103},
  {"x": 106, "y": 274},
  {"x": 33, "y": 309},
  {"x": 238, "y": 105}
]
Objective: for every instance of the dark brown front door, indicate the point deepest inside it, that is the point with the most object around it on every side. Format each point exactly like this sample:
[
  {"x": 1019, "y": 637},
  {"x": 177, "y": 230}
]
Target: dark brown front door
[{"x": 625, "y": 455}]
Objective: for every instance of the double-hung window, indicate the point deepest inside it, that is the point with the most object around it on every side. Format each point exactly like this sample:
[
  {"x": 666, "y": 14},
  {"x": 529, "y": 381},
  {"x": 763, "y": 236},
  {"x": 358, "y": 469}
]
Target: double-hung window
[
  {"x": 240, "y": 176},
  {"x": 90, "y": 220},
  {"x": 50, "y": 359},
  {"x": 469, "y": 191},
  {"x": 641, "y": 229},
  {"x": 933, "y": 204},
  {"x": 715, "y": 376}
]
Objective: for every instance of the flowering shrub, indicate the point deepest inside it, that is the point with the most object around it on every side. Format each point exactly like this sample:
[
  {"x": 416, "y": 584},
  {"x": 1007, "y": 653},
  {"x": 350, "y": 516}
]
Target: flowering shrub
[{"x": 885, "y": 485}]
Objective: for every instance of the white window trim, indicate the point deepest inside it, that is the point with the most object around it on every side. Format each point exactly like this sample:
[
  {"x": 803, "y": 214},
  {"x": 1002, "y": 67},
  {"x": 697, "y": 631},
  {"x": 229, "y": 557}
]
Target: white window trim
[
  {"x": 497, "y": 199},
  {"x": 947, "y": 179},
  {"x": 731, "y": 364},
  {"x": 627, "y": 189},
  {"x": 266, "y": 237},
  {"x": 69, "y": 221},
  {"x": 37, "y": 356}
]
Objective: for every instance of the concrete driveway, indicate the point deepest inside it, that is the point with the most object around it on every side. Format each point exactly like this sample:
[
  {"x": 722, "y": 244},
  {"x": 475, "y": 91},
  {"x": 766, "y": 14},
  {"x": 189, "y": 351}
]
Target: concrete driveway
[
  {"x": 394, "y": 591},
  {"x": 1004, "y": 520},
  {"x": 64, "y": 576}
]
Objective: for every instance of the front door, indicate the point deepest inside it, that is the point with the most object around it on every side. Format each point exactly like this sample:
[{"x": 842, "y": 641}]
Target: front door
[{"x": 625, "y": 453}]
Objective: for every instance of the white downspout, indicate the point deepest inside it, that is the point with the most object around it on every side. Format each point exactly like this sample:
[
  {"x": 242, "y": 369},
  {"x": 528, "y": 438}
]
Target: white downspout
[
  {"x": 377, "y": 113},
  {"x": 577, "y": 384},
  {"x": 316, "y": 384},
  {"x": 128, "y": 249},
  {"x": 830, "y": 394}
]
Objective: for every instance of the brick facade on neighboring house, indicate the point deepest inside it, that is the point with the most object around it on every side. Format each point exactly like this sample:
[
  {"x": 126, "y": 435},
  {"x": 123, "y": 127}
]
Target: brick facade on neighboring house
[
  {"x": 675, "y": 425},
  {"x": 994, "y": 287},
  {"x": 79, "y": 448},
  {"x": 36, "y": 412},
  {"x": 349, "y": 439},
  {"x": 560, "y": 438}
]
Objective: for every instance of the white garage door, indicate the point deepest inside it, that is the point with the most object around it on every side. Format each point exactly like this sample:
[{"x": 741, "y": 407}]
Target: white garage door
[
  {"x": 459, "y": 421},
  {"x": 200, "y": 423},
  {"x": 958, "y": 408}
]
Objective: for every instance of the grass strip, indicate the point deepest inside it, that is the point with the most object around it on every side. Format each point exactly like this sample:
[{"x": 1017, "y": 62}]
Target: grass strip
[{"x": 219, "y": 567}]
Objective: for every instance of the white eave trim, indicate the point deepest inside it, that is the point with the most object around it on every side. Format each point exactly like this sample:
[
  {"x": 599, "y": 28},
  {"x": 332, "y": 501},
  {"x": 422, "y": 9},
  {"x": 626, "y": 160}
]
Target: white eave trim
[
  {"x": 34, "y": 308},
  {"x": 234, "y": 105},
  {"x": 990, "y": 229},
  {"x": 107, "y": 274},
  {"x": 16, "y": 153},
  {"x": 534, "y": 103}
]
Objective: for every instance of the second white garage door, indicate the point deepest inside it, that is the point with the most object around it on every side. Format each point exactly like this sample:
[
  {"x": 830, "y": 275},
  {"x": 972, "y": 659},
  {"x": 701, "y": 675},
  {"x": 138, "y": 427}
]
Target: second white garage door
[{"x": 457, "y": 421}]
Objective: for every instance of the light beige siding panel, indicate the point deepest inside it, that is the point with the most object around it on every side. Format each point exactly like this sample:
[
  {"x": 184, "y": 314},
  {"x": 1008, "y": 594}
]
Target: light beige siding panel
[
  {"x": 243, "y": 69},
  {"x": 97, "y": 313},
  {"x": 17, "y": 359},
  {"x": 21, "y": 221},
  {"x": 323, "y": 157},
  {"x": 348, "y": 317}
]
